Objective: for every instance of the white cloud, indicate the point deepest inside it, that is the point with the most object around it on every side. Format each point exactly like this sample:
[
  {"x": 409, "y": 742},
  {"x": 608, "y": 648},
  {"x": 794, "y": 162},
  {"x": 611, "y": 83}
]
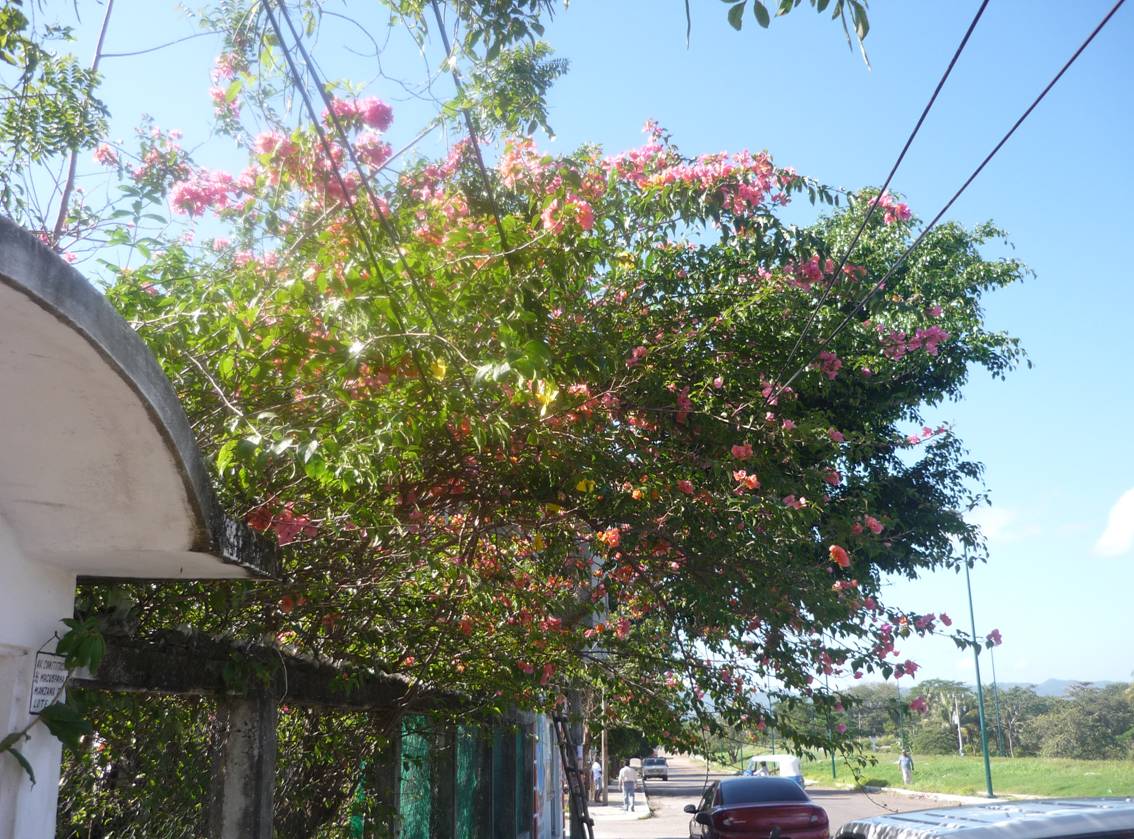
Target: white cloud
[
  {"x": 994, "y": 522},
  {"x": 1118, "y": 538}
]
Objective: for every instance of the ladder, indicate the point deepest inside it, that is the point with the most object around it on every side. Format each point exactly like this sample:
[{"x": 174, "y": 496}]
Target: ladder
[{"x": 582, "y": 825}]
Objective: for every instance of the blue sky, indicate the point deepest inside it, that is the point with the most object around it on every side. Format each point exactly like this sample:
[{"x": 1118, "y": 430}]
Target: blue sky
[{"x": 1056, "y": 439}]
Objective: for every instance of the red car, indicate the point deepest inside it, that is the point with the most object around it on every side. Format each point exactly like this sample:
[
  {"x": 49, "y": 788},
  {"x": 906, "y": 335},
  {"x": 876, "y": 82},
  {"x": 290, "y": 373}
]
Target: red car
[{"x": 757, "y": 808}]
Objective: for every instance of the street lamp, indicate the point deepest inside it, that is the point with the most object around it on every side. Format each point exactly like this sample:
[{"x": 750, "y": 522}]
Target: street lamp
[{"x": 979, "y": 689}]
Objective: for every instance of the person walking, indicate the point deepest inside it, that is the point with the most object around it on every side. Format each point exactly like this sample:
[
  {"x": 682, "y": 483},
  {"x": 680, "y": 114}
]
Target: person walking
[
  {"x": 596, "y": 778},
  {"x": 905, "y": 763},
  {"x": 628, "y": 780}
]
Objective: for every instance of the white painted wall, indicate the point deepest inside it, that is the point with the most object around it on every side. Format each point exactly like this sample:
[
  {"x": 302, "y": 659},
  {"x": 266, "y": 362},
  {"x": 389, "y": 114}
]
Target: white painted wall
[
  {"x": 33, "y": 599},
  {"x": 549, "y": 780}
]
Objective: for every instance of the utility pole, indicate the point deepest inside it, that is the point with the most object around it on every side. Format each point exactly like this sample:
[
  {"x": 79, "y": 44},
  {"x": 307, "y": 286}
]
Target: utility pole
[
  {"x": 605, "y": 779},
  {"x": 996, "y": 703},
  {"x": 830, "y": 731},
  {"x": 979, "y": 689}
]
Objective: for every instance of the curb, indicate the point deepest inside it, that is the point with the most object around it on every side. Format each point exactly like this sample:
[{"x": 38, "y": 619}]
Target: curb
[
  {"x": 938, "y": 796},
  {"x": 917, "y": 793}
]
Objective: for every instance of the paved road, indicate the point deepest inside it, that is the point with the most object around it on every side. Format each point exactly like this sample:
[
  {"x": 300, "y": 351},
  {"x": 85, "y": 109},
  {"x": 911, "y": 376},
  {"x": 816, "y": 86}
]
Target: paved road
[{"x": 687, "y": 778}]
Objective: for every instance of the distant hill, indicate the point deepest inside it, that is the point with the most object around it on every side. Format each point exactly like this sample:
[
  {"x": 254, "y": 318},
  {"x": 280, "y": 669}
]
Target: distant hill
[{"x": 1054, "y": 687}]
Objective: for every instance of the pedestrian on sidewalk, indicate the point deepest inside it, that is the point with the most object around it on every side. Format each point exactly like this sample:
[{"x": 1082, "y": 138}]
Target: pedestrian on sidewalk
[
  {"x": 628, "y": 780},
  {"x": 596, "y": 777},
  {"x": 905, "y": 763}
]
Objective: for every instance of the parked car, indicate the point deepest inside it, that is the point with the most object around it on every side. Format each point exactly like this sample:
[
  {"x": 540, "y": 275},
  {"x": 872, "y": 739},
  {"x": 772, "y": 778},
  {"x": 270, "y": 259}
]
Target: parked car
[
  {"x": 655, "y": 767},
  {"x": 749, "y": 807},
  {"x": 1081, "y": 818}
]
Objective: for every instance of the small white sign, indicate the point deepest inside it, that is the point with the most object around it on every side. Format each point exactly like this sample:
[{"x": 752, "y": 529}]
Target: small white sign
[{"x": 47, "y": 681}]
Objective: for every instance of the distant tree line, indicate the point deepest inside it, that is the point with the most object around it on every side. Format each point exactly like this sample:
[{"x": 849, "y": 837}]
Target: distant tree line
[{"x": 1090, "y": 722}]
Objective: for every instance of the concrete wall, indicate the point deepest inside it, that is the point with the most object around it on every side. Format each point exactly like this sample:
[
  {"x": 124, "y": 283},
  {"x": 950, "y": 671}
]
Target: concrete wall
[{"x": 33, "y": 599}]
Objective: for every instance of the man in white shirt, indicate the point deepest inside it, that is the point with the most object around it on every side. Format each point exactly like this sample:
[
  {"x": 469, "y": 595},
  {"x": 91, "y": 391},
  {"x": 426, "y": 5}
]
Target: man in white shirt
[
  {"x": 789, "y": 768},
  {"x": 596, "y": 778},
  {"x": 628, "y": 780}
]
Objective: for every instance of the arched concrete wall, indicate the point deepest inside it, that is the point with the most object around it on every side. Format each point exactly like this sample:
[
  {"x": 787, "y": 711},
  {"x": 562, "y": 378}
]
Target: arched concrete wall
[
  {"x": 100, "y": 476},
  {"x": 99, "y": 470}
]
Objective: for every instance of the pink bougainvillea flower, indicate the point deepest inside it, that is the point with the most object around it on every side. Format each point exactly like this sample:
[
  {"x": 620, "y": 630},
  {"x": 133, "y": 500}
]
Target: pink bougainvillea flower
[
  {"x": 793, "y": 502},
  {"x": 841, "y": 728},
  {"x": 994, "y": 638},
  {"x": 835, "y": 435},
  {"x": 829, "y": 363},
  {"x": 375, "y": 113},
  {"x": 856, "y": 529},
  {"x": 919, "y": 705},
  {"x": 742, "y": 451},
  {"x": 872, "y": 524},
  {"x": 833, "y": 476},
  {"x": 684, "y": 405},
  {"x": 636, "y": 356},
  {"x": 839, "y": 556},
  {"x": 685, "y": 486},
  {"x": 611, "y": 537},
  {"x": 945, "y": 619},
  {"x": 893, "y": 210},
  {"x": 105, "y": 155},
  {"x": 745, "y": 480}
]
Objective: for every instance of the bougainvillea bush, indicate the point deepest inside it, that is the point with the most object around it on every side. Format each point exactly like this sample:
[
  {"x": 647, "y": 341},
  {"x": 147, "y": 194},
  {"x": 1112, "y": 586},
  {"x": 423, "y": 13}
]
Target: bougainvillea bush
[
  {"x": 524, "y": 423},
  {"x": 470, "y": 447}
]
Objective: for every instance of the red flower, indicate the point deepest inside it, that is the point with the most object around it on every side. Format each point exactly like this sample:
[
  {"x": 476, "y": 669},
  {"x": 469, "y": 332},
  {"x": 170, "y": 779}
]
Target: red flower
[
  {"x": 685, "y": 486},
  {"x": 839, "y": 556}
]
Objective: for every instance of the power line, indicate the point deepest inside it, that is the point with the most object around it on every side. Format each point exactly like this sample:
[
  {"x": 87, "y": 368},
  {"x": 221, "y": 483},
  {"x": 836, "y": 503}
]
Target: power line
[
  {"x": 348, "y": 147},
  {"x": 396, "y": 305},
  {"x": 980, "y": 168},
  {"x": 834, "y": 276}
]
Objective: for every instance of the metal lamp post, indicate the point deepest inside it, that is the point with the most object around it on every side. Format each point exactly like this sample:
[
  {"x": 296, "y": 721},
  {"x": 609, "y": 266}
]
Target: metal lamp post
[{"x": 980, "y": 690}]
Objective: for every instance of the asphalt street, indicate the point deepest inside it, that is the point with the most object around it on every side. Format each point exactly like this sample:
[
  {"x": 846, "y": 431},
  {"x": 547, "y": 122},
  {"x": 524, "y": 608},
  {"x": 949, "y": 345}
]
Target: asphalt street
[{"x": 687, "y": 778}]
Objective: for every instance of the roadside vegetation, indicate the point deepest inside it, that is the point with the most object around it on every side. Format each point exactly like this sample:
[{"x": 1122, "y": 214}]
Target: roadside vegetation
[{"x": 1040, "y": 776}]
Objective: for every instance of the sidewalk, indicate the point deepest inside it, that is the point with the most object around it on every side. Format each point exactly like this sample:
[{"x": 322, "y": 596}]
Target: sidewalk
[{"x": 613, "y": 813}]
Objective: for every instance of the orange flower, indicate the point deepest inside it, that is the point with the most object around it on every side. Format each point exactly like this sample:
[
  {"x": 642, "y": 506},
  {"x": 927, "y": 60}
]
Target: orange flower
[{"x": 839, "y": 556}]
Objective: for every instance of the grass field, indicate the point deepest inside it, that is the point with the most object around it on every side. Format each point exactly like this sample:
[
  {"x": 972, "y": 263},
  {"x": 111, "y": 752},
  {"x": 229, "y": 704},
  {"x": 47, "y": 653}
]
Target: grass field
[{"x": 965, "y": 775}]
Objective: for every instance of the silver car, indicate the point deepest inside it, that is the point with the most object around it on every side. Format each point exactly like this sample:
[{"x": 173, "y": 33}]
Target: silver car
[
  {"x": 1081, "y": 818},
  {"x": 654, "y": 768}
]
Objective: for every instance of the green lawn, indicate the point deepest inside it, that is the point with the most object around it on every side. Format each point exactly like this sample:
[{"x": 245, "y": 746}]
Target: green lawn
[{"x": 965, "y": 775}]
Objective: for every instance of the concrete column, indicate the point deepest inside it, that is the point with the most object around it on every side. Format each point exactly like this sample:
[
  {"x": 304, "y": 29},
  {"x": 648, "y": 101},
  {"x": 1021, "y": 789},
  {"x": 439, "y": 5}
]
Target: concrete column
[
  {"x": 34, "y": 598},
  {"x": 244, "y": 768}
]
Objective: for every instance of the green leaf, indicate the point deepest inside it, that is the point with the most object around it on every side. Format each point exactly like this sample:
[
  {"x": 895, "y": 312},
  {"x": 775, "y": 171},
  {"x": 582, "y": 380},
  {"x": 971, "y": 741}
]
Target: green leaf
[
  {"x": 861, "y": 23},
  {"x": 225, "y": 456},
  {"x": 736, "y": 15},
  {"x": 233, "y": 90},
  {"x": 761, "y": 12},
  {"x": 66, "y": 723},
  {"x": 23, "y": 761}
]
